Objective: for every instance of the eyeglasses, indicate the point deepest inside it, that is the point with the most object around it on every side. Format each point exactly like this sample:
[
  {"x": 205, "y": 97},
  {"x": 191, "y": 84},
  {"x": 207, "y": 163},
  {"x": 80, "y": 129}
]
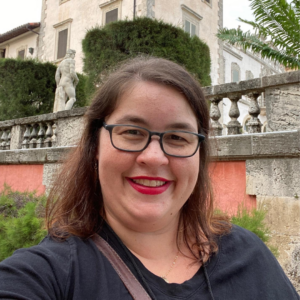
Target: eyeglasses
[{"x": 133, "y": 138}]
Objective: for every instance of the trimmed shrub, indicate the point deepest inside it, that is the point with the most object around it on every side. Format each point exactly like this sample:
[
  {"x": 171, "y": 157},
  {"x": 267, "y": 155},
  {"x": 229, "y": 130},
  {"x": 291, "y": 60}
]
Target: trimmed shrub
[
  {"x": 27, "y": 88},
  {"x": 21, "y": 221},
  {"x": 105, "y": 47},
  {"x": 254, "y": 221}
]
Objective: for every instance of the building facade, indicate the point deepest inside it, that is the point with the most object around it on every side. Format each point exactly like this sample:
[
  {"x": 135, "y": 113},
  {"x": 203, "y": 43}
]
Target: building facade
[
  {"x": 20, "y": 42},
  {"x": 64, "y": 23}
]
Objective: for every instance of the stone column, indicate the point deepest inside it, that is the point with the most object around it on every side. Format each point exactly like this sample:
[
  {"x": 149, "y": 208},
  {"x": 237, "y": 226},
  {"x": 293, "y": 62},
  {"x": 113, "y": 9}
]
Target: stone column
[
  {"x": 234, "y": 126},
  {"x": 215, "y": 115},
  {"x": 254, "y": 125}
]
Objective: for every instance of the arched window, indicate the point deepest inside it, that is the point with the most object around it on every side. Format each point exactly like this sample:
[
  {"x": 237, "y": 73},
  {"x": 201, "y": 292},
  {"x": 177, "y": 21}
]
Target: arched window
[
  {"x": 235, "y": 72},
  {"x": 245, "y": 124}
]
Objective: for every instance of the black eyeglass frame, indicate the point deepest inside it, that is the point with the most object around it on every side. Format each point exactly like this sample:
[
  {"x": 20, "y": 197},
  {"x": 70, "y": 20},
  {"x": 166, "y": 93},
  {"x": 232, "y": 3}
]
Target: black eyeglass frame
[{"x": 110, "y": 128}]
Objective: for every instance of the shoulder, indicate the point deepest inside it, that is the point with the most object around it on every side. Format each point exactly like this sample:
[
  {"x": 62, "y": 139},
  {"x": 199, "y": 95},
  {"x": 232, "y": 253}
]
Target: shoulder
[
  {"x": 46, "y": 268},
  {"x": 244, "y": 259},
  {"x": 241, "y": 243}
]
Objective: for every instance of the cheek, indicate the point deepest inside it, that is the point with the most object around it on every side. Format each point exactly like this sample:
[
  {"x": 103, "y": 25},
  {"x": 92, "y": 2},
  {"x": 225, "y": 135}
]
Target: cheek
[{"x": 187, "y": 170}]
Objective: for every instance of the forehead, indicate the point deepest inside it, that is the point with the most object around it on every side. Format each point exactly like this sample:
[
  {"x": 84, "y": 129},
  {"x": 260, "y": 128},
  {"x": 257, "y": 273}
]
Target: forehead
[{"x": 155, "y": 103}]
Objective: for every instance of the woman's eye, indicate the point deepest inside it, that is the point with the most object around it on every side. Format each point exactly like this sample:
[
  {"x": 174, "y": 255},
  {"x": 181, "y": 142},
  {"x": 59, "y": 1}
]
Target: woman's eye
[
  {"x": 176, "y": 137},
  {"x": 132, "y": 132}
]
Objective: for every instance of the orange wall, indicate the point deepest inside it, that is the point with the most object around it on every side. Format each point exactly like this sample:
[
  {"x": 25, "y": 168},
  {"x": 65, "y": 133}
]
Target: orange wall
[
  {"x": 229, "y": 183},
  {"x": 22, "y": 177}
]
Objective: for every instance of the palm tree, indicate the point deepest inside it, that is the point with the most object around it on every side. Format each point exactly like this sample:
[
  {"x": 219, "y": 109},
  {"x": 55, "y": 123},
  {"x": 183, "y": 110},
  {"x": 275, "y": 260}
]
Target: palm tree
[{"x": 276, "y": 32}]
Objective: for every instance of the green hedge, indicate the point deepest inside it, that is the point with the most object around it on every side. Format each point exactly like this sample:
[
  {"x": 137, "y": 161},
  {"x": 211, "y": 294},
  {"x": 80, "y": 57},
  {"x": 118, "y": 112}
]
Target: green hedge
[
  {"x": 117, "y": 41},
  {"x": 21, "y": 221},
  {"x": 27, "y": 88}
]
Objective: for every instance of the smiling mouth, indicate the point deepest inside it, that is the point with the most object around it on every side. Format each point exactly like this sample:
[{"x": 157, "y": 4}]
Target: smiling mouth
[{"x": 149, "y": 183}]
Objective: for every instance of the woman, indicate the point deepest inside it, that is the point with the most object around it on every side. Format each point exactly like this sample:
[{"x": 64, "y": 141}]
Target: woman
[{"x": 139, "y": 178}]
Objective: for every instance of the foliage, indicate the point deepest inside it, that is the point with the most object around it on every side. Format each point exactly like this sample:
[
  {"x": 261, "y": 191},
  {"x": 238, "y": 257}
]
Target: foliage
[
  {"x": 254, "y": 221},
  {"x": 105, "y": 47},
  {"x": 276, "y": 37},
  {"x": 21, "y": 222},
  {"x": 27, "y": 88}
]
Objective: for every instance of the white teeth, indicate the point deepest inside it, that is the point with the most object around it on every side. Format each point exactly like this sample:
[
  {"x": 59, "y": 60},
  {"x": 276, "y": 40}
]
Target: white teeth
[{"x": 146, "y": 182}]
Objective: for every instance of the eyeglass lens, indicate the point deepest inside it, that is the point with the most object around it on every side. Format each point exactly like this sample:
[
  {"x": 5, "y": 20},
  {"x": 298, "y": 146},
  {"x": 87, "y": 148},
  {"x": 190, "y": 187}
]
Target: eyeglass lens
[{"x": 176, "y": 143}]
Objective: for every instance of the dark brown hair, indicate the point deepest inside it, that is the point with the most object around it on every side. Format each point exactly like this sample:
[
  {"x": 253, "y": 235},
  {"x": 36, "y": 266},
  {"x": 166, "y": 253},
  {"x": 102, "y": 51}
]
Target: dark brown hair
[{"x": 75, "y": 202}]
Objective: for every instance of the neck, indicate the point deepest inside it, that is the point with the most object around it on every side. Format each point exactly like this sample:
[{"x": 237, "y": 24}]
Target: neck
[{"x": 157, "y": 243}]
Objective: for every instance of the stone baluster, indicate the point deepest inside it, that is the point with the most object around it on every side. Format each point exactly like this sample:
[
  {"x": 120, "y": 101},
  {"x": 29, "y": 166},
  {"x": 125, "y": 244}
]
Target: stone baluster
[
  {"x": 33, "y": 136},
  {"x": 234, "y": 126},
  {"x": 49, "y": 133},
  {"x": 215, "y": 115},
  {"x": 41, "y": 136},
  {"x": 7, "y": 146},
  {"x": 54, "y": 136},
  {"x": 254, "y": 124},
  {"x": 26, "y": 137},
  {"x": 3, "y": 140}
]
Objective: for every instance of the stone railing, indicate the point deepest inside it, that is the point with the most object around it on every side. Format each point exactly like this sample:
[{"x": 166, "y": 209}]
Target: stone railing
[
  {"x": 43, "y": 131},
  {"x": 281, "y": 95}
]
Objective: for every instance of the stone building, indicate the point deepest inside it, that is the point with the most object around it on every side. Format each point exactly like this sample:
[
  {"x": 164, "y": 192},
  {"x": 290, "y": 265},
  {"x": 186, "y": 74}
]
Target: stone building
[
  {"x": 64, "y": 23},
  {"x": 20, "y": 42}
]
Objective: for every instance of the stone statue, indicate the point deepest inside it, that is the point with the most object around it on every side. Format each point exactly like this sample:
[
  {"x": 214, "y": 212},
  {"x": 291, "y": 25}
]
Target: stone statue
[{"x": 66, "y": 81}]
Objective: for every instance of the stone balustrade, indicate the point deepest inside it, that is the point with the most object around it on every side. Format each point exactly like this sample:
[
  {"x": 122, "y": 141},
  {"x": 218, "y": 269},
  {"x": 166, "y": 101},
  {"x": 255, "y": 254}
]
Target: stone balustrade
[
  {"x": 5, "y": 137},
  {"x": 43, "y": 131},
  {"x": 281, "y": 97}
]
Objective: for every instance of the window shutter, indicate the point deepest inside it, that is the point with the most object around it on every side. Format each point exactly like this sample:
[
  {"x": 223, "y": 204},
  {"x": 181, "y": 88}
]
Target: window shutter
[
  {"x": 21, "y": 54},
  {"x": 62, "y": 43},
  {"x": 2, "y": 53},
  {"x": 193, "y": 31},
  {"x": 111, "y": 16},
  {"x": 187, "y": 27},
  {"x": 235, "y": 76}
]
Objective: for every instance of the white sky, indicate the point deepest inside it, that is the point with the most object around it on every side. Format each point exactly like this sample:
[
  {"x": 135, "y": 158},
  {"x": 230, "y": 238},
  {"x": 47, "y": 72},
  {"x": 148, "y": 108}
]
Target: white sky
[{"x": 14, "y": 13}]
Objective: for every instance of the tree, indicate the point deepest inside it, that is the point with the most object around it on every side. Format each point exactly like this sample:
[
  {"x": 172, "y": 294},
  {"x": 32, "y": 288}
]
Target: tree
[
  {"x": 109, "y": 45},
  {"x": 276, "y": 32},
  {"x": 27, "y": 88}
]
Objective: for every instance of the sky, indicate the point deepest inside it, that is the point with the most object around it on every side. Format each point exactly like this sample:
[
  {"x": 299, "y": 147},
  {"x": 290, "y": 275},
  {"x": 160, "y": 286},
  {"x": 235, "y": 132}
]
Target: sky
[{"x": 14, "y": 13}]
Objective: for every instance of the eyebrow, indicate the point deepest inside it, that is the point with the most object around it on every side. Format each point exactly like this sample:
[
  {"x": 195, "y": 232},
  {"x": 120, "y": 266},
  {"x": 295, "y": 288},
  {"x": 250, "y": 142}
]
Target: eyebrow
[{"x": 140, "y": 121}]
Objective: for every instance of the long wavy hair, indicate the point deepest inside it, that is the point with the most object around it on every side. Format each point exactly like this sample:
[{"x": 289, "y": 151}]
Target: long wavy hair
[{"x": 75, "y": 203}]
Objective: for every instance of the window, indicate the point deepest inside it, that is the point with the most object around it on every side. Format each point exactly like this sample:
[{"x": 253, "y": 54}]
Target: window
[
  {"x": 190, "y": 28},
  {"x": 235, "y": 72},
  {"x": 111, "y": 16},
  {"x": 62, "y": 43},
  {"x": 208, "y": 2},
  {"x": 191, "y": 21},
  {"x": 21, "y": 54},
  {"x": 111, "y": 11},
  {"x": 245, "y": 124},
  {"x": 2, "y": 53},
  {"x": 249, "y": 75},
  {"x": 62, "y": 39}
]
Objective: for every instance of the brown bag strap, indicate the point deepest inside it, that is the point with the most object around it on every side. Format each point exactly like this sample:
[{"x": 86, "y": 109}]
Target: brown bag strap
[{"x": 133, "y": 286}]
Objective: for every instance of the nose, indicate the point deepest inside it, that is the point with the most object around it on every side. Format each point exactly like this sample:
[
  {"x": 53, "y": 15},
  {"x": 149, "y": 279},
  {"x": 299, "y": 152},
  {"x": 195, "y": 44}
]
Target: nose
[{"x": 153, "y": 154}]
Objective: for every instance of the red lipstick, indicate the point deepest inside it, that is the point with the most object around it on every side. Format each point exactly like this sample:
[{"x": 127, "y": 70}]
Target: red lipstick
[{"x": 149, "y": 190}]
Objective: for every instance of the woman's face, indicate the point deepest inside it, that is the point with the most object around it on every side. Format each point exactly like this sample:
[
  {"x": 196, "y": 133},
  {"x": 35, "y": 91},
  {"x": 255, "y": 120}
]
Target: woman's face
[{"x": 126, "y": 177}]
